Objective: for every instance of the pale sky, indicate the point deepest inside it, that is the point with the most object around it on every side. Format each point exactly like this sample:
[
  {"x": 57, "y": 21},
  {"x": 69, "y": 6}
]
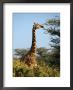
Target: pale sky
[{"x": 22, "y": 29}]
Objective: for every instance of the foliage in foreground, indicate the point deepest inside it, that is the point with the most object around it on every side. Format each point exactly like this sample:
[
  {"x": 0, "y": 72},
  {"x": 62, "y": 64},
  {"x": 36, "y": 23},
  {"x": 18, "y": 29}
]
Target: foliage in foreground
[{"x": 22, "y": 70}]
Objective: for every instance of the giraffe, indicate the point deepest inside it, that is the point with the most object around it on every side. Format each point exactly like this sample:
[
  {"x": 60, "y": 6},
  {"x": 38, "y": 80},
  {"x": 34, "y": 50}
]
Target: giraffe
[{"x": 30, "y": 57}]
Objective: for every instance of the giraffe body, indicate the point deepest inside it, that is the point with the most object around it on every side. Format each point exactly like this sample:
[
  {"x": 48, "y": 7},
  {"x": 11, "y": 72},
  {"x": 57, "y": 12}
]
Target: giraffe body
[{"x": 30, "y": 57}]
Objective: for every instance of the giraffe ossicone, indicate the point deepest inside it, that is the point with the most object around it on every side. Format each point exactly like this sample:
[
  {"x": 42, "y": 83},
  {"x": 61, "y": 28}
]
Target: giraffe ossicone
[{"x": 30, "y": 57}]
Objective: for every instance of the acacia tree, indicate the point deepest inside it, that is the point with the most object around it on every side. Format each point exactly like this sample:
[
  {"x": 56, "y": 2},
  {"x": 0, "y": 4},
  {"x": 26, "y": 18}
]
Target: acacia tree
[
  {"x": 19, "y": 52},
  {"x": 53, "y": 28},
  {"x": 42, "y": 51}
]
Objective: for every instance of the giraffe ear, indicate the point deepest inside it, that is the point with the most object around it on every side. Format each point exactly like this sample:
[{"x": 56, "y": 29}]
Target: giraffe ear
[{"x": 34, "y": 23}]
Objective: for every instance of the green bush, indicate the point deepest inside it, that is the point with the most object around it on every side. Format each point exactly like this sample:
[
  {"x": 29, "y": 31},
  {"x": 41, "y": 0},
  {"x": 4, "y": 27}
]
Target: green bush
[{"x": 20, "y": 69}]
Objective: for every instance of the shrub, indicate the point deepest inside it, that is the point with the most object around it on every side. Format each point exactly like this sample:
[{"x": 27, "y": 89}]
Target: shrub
[{"x": 20, "y": 69}]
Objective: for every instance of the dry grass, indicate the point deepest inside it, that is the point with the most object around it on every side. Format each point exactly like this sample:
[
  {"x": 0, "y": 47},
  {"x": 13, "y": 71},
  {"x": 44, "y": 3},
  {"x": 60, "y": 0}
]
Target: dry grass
[{"x": 20, "y": 69}]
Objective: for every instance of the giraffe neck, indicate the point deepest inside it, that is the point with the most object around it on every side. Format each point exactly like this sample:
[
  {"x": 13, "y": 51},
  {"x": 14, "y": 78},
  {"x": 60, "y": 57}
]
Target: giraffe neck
[{"x": 33, "y": 47}]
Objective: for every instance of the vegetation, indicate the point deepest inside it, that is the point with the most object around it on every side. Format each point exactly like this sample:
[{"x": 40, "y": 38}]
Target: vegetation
[
  {"x": 48, "y": 59},
  {"x": 53, "y": 28},
  {"x": 22, "y": 70}
]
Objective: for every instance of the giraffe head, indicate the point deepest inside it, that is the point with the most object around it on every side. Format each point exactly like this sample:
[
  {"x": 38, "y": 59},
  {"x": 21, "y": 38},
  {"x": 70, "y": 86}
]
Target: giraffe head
[{"x": 37, "y": 26}]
